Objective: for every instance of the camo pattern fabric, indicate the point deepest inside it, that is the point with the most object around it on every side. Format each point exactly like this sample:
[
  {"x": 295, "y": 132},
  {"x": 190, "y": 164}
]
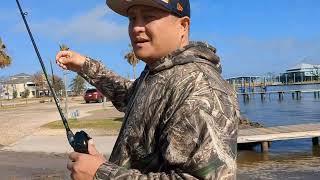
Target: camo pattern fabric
[{"x": 180, "y": 120}]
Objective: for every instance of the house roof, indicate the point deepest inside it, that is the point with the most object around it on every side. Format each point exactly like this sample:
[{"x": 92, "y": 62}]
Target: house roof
[
  {"x": 21, "y": 75},
  {"x": 19, "y": 80},
  {"x": 303, "y": 66}
]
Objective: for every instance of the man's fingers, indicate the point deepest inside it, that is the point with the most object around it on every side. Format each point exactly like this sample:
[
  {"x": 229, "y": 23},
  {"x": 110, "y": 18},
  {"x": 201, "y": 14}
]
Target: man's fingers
[
  {"x": 70, "y": 166},
  {"x": 62, "y": 65},
  {"x": 63, "y": 54},
  {"x": 63, "y": 60},
  {"x": 92, "y": 148},
  {"x": 74, "y": 156}
]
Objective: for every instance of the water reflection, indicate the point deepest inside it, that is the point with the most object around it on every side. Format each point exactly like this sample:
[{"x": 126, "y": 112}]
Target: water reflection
[{"x": 303, "y": 165}]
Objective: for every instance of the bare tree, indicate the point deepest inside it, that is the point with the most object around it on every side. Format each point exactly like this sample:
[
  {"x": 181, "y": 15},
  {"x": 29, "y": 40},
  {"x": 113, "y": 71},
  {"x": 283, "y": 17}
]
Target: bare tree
[
  {"x": 40, "y": 82},
  {"x": 57, "y": 83}
]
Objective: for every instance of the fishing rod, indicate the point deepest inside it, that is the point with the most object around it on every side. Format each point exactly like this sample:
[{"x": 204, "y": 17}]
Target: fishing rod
[{"x": 79, "y": 141}]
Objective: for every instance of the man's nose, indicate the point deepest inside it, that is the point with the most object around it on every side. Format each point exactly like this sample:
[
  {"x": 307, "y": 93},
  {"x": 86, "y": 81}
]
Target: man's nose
[{"x": 138, "y": 26}]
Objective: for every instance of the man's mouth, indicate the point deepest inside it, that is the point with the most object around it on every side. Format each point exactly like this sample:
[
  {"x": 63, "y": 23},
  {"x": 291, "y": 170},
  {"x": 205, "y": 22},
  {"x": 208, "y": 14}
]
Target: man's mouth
[{"x": 140, "y": 41}]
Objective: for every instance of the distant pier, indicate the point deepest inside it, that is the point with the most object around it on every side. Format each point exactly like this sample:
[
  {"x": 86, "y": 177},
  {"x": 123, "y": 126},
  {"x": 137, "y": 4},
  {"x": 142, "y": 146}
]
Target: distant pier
[{"x": 296, "y": 94}]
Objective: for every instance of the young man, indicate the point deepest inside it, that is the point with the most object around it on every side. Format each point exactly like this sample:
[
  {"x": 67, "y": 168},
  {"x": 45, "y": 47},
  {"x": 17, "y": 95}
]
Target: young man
[{"x": 180, "y": 115}]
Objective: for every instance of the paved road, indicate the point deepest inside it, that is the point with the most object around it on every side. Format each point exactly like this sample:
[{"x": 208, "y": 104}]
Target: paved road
[{"x": 27, "y": 166}]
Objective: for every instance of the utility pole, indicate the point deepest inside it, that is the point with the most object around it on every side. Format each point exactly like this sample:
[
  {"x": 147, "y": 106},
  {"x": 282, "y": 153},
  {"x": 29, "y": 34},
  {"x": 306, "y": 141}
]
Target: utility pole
[
  {"x": 104, "y": 102},
  {"x": 66, "y": 91}
]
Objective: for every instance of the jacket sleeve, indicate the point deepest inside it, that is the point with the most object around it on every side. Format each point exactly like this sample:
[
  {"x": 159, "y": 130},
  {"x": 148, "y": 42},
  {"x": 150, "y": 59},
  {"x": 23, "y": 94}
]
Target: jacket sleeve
[
  {"x": 198, "y": 139},
  {"x": 113, "y": 86}
]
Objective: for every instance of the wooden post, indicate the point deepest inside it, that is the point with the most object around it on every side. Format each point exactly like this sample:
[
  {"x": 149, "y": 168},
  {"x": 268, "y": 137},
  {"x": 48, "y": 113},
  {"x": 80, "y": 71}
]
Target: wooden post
[
  {"x": 263, "y": 96},
  {"x": 298, "y": 94},
  {"x": 315, "y": 141},
  {"x": 279, "y": 93},
  {"x": 249, "y": 90},
  {"x": 241, "y": 85},
  {"x": 264, "y": 146},
  {"x": 246, "y": 97}
]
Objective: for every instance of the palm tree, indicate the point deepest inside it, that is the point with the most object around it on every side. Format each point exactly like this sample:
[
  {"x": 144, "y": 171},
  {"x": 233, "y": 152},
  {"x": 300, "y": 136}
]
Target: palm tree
[
  {"x": 5, "y": 60},
  {"x": 132, "y": 60}
]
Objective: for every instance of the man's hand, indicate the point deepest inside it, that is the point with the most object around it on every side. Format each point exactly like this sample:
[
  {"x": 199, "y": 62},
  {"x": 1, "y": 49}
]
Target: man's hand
[
  {"x": 84, "y": 166},
  {"x": 70, "y": 60}
]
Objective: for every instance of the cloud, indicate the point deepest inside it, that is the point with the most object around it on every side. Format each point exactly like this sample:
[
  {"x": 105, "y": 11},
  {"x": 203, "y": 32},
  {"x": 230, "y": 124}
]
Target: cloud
[
  {"x": 251, "y": 56},
  {"x": 86, "y": 28}
]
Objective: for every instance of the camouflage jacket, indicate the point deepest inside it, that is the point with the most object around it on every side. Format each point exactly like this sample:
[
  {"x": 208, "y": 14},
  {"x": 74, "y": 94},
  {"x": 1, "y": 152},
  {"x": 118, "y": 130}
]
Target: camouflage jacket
[{"x": 180, "y": 118}]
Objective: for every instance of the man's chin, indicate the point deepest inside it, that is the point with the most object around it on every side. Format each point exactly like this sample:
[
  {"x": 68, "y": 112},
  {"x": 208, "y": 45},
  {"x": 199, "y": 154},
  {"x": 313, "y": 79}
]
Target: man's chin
[
  {"x": 142, "y": 56},
  {"x": 147, "y": 59}
]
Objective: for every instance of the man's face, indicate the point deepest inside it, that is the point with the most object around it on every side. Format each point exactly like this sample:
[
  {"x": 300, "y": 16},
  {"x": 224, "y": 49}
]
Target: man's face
[{"x": 154, "y": 33}]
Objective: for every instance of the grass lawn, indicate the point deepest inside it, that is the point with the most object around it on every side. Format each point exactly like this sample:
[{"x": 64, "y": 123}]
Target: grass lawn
[{"x": 110, "y": 124}]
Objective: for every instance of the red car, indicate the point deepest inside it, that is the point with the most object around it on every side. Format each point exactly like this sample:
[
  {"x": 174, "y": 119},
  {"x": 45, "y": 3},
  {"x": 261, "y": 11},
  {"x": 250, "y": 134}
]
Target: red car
[{"x": 93, "y": 95}]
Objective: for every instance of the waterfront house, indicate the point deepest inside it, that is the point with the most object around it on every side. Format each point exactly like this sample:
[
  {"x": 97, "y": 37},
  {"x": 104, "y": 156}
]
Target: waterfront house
[
  {"x": 17, "y": 85},
  {"x": 300, "y": 73}
]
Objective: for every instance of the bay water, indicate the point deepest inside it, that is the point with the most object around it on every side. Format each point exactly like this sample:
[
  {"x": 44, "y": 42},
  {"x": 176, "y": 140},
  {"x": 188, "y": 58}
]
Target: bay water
[{"x": 290, "y": 159}]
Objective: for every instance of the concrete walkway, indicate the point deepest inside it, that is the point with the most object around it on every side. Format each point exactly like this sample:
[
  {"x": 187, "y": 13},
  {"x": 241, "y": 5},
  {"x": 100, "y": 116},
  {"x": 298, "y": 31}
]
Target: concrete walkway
[{"x": 57, "y": 144}]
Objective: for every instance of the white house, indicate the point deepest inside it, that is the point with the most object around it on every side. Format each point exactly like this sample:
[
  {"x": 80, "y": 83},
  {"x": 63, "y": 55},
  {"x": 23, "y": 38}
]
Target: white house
[{"x": 18, "y": 83}]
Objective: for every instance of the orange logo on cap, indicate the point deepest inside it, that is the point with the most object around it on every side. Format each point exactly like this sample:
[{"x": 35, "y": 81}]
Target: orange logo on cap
[{"x": 179, "y": 7}]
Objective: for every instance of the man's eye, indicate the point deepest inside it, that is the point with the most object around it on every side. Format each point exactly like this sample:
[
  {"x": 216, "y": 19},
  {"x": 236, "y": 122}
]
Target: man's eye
[
  {"x": 132, "y": 18},
  {"x": 149, "y": 17}
]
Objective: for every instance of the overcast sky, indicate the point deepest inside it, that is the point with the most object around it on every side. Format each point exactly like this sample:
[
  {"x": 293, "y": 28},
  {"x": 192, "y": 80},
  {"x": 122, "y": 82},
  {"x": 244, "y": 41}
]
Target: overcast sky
[{"x": 252, "y": 37}]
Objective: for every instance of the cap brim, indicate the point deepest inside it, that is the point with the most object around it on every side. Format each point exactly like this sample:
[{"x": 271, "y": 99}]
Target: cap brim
[{"x": 121, "y": 6}]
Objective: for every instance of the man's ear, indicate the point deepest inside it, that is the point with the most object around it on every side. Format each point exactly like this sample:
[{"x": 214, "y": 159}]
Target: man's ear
[{"x": 185, "y": 25}]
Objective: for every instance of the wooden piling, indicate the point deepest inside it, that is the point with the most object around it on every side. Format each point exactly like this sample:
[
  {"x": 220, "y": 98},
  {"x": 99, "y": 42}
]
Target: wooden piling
[
  {"x": 263, "y": 96},
  {"x": 280, "y": 95},
  {"x": 298, "y": 95},
  {"x": 264, "y": 146},
  {"x": 244, "y": 98},
  {"x": 315, "y": 141}
]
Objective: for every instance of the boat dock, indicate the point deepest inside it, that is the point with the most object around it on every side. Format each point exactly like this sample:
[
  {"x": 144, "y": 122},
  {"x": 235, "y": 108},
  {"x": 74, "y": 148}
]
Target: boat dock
[
  {"x": 296, "y": 94},
  {"x": 279, "y": 133}
]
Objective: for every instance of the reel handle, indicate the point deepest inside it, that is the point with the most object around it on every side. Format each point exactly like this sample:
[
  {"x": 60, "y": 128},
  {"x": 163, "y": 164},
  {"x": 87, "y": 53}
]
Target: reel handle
[{"x": 80, "y": 143}]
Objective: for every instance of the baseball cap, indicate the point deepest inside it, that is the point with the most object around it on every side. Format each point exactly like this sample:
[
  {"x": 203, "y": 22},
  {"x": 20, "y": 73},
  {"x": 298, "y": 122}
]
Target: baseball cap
[{"x": 178, "y": 8}]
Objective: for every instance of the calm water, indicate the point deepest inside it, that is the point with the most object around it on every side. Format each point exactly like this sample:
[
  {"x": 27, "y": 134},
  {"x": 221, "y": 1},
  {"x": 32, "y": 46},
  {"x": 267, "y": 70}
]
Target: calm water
[{"x": 294, "y": 159}]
